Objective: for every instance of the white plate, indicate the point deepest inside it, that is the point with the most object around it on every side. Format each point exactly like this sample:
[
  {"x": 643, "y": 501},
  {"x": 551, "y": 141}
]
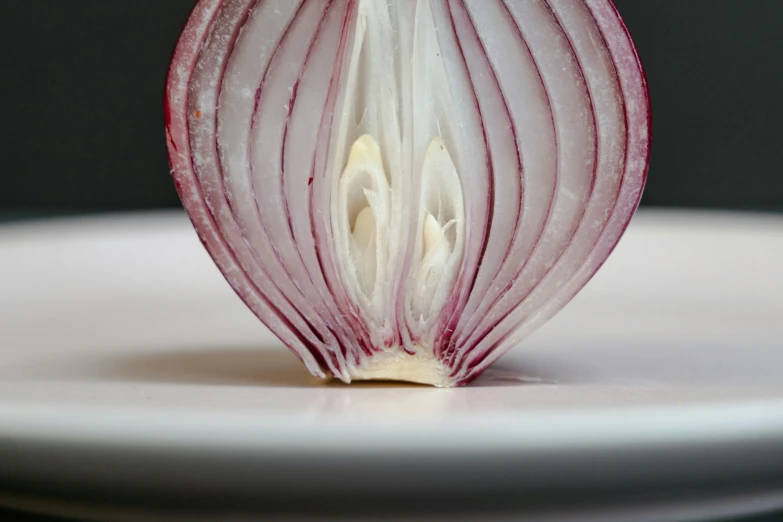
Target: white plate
[{"x": 131, "y": 377}]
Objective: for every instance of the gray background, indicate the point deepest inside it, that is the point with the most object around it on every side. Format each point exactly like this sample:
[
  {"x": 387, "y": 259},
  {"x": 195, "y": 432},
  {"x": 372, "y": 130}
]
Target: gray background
[{"x": 82, "y": 88}]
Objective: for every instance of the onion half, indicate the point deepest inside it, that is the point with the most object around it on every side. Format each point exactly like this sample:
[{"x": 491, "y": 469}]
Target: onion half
[{"x": 404, "y": 189}]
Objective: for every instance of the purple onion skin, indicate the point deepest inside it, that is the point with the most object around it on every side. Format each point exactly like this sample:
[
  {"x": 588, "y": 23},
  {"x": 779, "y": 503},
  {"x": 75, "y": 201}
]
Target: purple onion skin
[{"x": 351, "y": 336}]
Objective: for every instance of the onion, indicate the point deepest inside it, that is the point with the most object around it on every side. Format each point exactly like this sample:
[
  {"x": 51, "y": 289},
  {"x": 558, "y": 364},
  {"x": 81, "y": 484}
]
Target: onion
[{"x": 405, "y": 189}]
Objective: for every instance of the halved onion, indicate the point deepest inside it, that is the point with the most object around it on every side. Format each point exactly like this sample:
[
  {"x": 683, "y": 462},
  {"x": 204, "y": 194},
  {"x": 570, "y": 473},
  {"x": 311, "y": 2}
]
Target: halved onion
[{"x": 404, "y": 189}]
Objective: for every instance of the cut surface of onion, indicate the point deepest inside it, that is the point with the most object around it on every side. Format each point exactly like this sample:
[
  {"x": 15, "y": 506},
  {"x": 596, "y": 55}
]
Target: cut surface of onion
[{"x": 405, "y": 189}]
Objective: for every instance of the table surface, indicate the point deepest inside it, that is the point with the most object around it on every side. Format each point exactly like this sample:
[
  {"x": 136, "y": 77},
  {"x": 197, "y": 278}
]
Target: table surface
[{"x": 674, "y": 346}]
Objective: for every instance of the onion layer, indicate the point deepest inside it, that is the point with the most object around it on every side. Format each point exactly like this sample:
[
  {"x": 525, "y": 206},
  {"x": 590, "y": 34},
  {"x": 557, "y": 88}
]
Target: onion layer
[{"x": 404, "y": 189}]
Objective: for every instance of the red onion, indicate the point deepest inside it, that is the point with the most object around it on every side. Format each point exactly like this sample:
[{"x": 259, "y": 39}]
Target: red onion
[{"x": 404, "y": 189}]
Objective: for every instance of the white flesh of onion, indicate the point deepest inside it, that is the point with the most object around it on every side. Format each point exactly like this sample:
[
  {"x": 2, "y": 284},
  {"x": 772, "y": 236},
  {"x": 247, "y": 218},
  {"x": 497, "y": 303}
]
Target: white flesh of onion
[
  {"x": 397, "y": 208},
  {"x": 404, "y": 189}
]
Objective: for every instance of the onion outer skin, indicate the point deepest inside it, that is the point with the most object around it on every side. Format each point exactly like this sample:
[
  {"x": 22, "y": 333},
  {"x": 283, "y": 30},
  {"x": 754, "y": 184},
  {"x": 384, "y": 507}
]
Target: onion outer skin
[{"x": 462, "y": 366}]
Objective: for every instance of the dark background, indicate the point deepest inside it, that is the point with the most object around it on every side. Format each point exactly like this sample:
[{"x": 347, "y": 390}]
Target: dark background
[{"x": 82, "y": 85}]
